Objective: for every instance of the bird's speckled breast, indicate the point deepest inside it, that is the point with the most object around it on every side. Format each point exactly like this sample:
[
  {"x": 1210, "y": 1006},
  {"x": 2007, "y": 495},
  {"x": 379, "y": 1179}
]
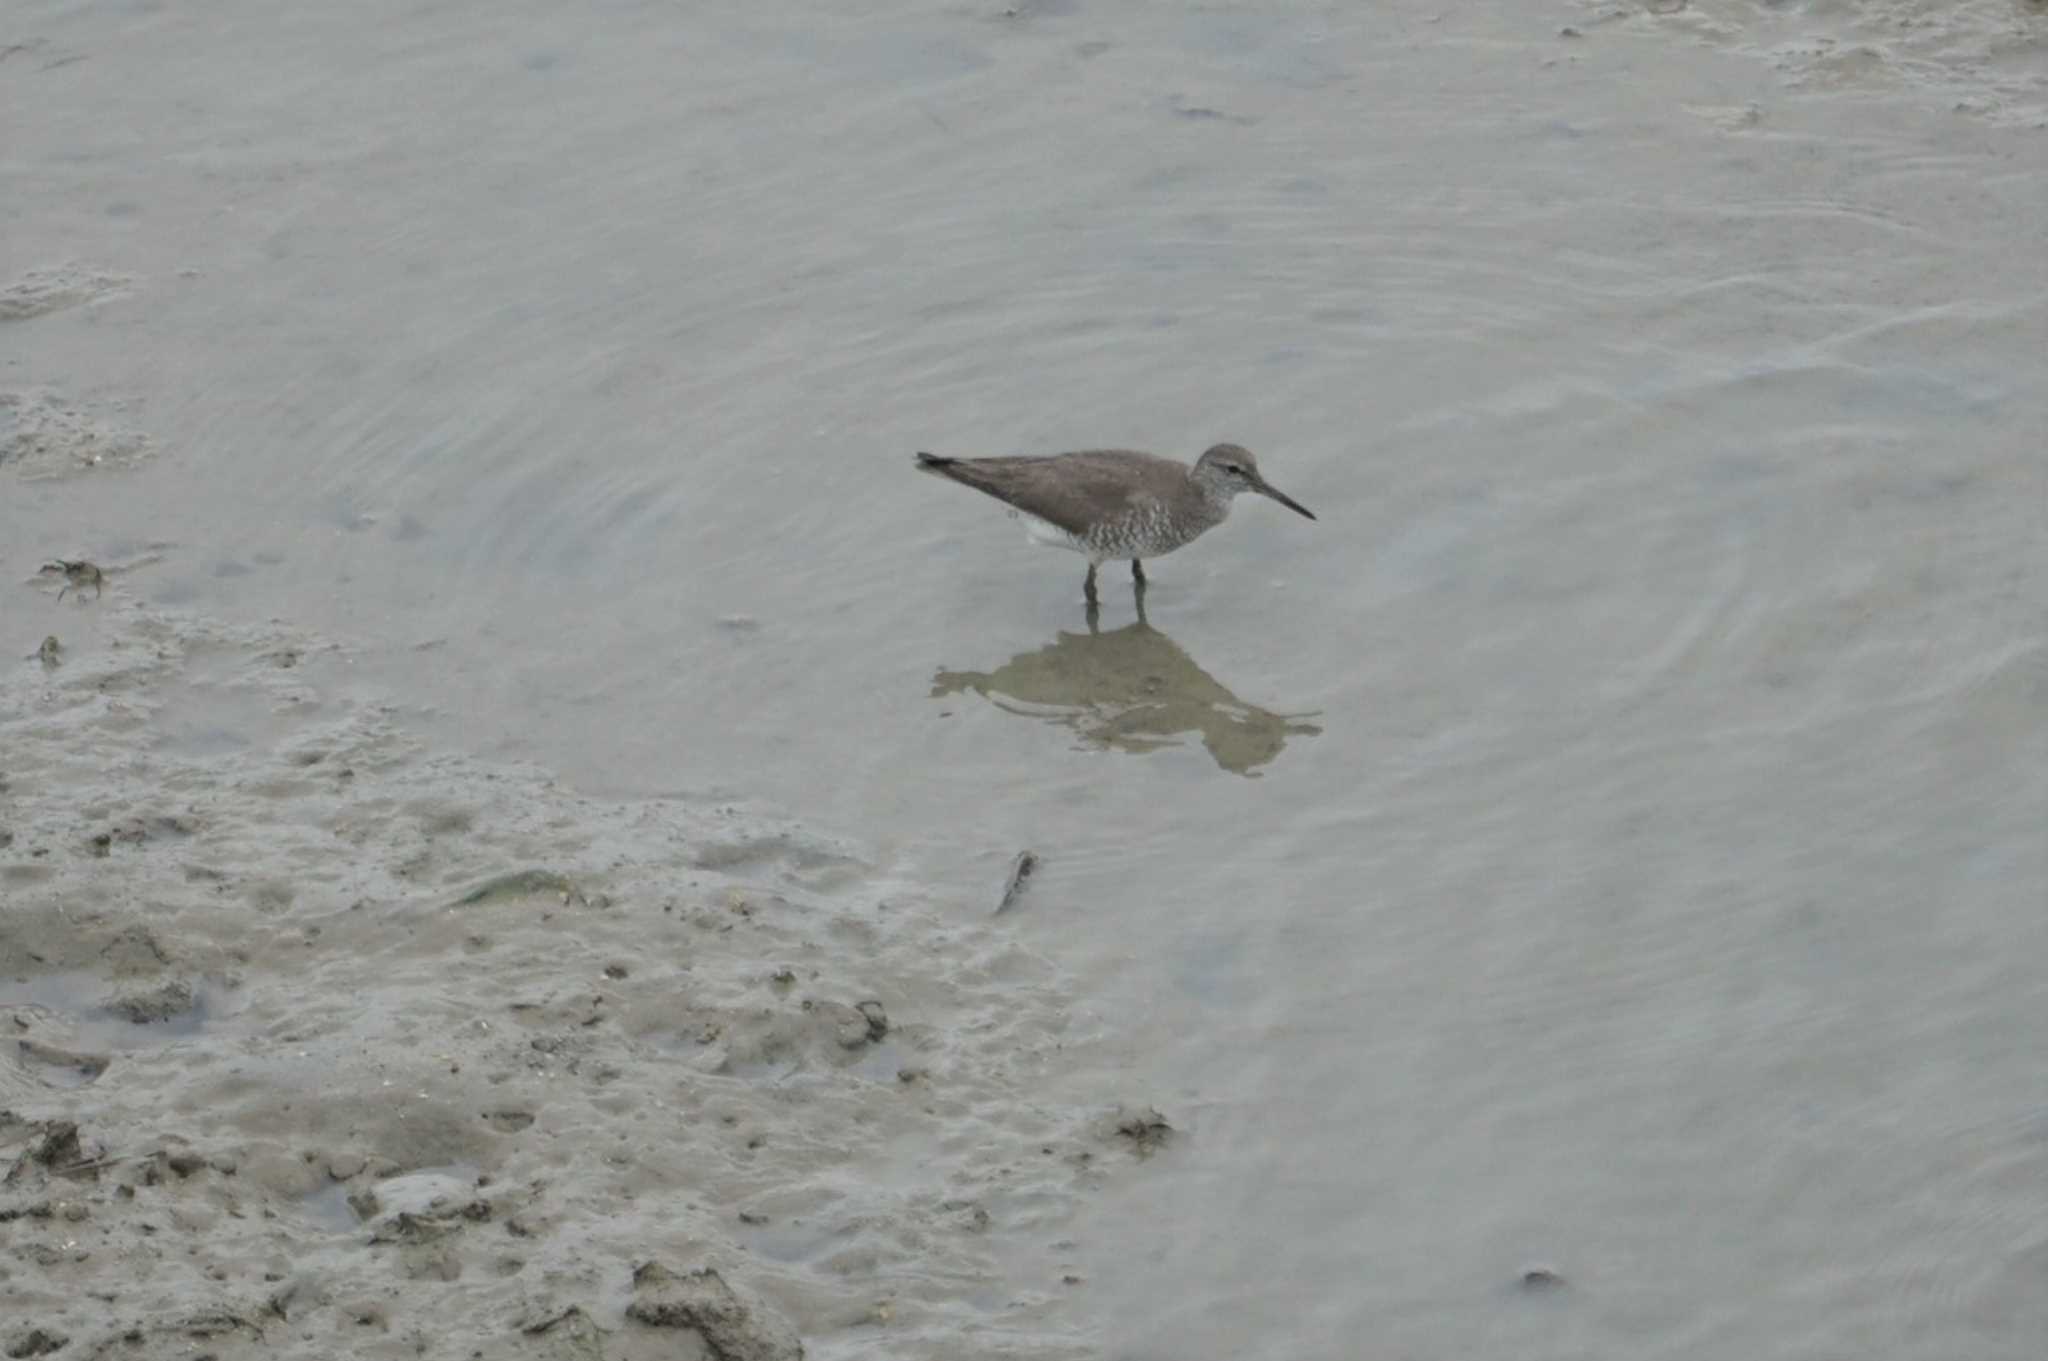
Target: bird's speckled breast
[{"x": 1147, "y": 528}]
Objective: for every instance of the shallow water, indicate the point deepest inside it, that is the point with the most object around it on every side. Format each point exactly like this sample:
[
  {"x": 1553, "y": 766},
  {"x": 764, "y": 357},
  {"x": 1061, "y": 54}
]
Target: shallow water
[{"x": 1609, "y": 839}]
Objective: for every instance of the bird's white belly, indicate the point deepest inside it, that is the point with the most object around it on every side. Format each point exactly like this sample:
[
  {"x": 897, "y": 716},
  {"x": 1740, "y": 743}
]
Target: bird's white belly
[{"x": 1046, "y": 533}]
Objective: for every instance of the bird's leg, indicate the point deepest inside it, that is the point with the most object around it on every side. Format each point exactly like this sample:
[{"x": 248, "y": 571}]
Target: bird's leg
[
  {"x": 1088, "y": 585},
  {"x": 1094, "y": 617},
  {"x": 1138, "y": 573}
]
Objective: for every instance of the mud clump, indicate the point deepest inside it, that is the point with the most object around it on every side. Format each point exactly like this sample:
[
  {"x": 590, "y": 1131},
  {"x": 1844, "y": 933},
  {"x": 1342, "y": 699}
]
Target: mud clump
[
  {"x": 154, "y": 1006},
  {"x": 37, "y": 1342},
  {"x": 134, "y": 950},
  {"x": 733, "y": 1328},
  {"x": 54, "y": 1147},
  {"x": 852, "y": 1027}
]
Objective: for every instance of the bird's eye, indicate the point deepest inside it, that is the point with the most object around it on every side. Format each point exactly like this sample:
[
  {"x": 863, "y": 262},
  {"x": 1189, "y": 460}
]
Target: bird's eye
[{"x": 1233, "y": 470}]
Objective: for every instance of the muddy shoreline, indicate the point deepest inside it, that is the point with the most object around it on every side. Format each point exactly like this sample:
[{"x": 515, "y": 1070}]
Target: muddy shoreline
[{"x": 322, "y": 1042}]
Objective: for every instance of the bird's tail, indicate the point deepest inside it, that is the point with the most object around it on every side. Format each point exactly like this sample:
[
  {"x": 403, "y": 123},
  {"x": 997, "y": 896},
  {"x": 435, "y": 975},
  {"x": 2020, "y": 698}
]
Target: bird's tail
[{"x": 932, "y": 463}]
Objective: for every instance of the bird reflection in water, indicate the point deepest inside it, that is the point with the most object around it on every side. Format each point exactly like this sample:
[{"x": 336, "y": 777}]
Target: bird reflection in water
[{"x": 1131, "y": 689}]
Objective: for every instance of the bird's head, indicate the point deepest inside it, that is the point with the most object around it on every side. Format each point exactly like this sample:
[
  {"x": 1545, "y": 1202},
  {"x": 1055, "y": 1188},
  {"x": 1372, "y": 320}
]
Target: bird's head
[{"x": 1228, "y": 469}]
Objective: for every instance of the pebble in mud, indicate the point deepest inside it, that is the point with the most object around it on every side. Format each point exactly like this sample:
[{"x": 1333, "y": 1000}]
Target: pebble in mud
[
  {"x": 56, "y": 1146},
  {"x": 852, "y": 1029},
  {"x": 1540, "y": 1280}
]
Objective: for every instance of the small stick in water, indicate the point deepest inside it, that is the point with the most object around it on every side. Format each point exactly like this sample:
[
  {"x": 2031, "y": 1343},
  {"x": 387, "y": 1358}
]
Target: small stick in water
[{"x": 1020, "y": 870}]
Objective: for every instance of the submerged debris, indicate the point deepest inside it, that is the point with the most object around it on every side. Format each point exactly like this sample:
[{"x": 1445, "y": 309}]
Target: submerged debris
[
  {"x": 71, "y": 1067},
  {"x": 574, "y": 1323},
  {"x": 1020, "y": 871},
  {"x": 521, "y": 884},
  {"x": 1147, "y": 1130}
]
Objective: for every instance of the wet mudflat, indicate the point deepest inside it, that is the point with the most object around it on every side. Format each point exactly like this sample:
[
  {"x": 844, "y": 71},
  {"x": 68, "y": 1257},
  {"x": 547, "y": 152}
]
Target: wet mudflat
[{"x": 534, "y": 753}]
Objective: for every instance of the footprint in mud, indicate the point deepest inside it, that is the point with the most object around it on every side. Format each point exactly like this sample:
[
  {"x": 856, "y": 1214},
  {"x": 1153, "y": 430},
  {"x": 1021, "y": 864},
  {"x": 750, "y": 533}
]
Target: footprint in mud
[
  {"x": 334, "y": 1208},
  {"x": 803, "y": 859},
  {"x": 69, "y": 1025}
]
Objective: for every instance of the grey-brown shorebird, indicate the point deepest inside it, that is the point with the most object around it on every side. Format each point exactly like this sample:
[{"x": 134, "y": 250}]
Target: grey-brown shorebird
[{"x": 1115, "y": 503}]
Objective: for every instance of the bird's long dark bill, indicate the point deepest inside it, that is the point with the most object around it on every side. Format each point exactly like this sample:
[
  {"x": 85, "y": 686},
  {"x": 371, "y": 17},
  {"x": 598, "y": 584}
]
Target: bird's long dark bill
[{"x": 1284, "y": 499}]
